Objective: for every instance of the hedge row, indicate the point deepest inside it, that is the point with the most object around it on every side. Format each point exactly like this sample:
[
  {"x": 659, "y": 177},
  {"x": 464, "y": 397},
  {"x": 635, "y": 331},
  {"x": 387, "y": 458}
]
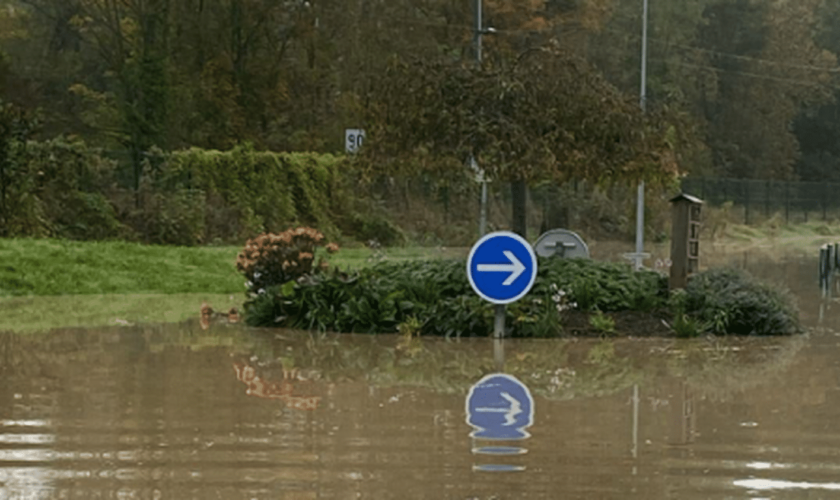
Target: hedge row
[{"x": 62, "y": 188}]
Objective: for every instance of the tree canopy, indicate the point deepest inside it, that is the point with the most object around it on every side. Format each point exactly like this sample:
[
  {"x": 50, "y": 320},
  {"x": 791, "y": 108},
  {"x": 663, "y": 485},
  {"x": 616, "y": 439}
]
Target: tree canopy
[
  {"x": 545, "y": 115},
  {"x": 748, "y": 86}
]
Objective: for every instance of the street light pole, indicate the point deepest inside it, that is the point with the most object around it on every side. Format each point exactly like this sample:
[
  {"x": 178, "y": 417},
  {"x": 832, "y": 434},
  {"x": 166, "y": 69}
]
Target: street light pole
[
  {"x": 640, "y": 196},
  {"x": 479, "y": 30}
]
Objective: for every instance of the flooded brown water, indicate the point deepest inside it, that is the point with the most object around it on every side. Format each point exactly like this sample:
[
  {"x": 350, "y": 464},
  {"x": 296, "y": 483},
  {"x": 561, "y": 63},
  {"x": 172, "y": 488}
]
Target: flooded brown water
[{"x": 174, "y": 411}]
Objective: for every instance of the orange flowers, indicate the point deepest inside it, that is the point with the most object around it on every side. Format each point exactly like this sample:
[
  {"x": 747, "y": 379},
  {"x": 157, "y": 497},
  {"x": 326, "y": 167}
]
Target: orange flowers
[{"x": 274, "y": 259}]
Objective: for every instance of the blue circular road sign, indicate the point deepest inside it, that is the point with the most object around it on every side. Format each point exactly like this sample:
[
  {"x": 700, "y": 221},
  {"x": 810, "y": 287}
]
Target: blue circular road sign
[
  {"x": 499, "y": 406},
  {"x": 502, "y": 267}
]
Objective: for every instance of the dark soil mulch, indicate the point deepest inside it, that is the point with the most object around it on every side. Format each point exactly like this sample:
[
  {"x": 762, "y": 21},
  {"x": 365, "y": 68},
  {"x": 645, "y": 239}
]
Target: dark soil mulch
[{"x": 627, "y": 324}]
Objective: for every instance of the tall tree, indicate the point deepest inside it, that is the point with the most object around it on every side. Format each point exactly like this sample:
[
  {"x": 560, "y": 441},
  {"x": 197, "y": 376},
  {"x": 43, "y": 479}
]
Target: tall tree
[{"x": 545, "y": 115}]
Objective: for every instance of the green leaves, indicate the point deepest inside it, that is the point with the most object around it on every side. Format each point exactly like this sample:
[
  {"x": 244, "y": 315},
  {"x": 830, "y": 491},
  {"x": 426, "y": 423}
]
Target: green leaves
[
  {"x": 730, "y": 301},
  {"x": 546, "y": 115},
  {"x": 438, "y": 294}
]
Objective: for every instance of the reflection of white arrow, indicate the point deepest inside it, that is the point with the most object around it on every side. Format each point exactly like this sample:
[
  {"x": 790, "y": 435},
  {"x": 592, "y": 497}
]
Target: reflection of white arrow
[
  {"x": 515, "y": 268},
  {"x": 510, "y": 413}
]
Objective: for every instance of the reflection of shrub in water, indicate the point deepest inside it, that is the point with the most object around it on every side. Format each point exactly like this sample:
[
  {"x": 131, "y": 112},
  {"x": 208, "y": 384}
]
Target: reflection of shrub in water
[
  {"x": 283, "y": 390},
  {"x": 726, "y": 367}
]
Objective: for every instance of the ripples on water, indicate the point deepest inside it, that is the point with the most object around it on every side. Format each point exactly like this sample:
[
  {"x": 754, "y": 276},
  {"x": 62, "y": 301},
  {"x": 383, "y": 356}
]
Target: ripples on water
[{"x": 178, "y": 412}]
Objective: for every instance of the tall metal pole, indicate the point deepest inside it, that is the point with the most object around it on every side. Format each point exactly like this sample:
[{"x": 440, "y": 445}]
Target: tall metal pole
[
  {"x": 479, "y": 29},
  {"x": 640, "y": 222},
  {"x": 640, "y": 196},
  {"x": 643, "y": 91}
]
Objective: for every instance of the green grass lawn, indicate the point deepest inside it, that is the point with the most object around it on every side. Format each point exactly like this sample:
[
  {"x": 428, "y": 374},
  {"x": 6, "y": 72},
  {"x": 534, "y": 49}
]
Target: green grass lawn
[
  {"x": 31, "y": 314},
  {"x": 59, "y": 267},
  {"x": 46, "y": 284}
]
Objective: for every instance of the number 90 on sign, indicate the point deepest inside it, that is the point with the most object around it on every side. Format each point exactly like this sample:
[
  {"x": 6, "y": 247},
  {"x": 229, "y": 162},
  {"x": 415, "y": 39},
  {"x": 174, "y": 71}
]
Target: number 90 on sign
[{"x": 353, "y": 139}]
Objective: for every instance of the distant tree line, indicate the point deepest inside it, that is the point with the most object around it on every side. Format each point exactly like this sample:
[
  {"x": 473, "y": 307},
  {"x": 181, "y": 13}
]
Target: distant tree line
[{"x": 736, "y": 88}]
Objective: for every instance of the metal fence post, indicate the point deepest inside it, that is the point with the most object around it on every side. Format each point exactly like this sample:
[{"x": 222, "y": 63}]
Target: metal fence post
[
  {"x": 767, "y": 199},
  {"x": 746, "y": 201},
  {"x": 824, "y": 200},
  {"x": 787, "y": 203}
]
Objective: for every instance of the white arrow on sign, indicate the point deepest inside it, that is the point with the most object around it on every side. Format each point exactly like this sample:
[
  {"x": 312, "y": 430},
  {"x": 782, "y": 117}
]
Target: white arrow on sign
[
  {"x": 515, "y": 268},
  {"x": 510, "y": 413}
]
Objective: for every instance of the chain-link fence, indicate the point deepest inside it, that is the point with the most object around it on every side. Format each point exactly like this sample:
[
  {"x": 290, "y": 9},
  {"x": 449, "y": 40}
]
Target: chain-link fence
[
  {"x": 448, "y": 213},
  {"x": 757, "y": 199}
]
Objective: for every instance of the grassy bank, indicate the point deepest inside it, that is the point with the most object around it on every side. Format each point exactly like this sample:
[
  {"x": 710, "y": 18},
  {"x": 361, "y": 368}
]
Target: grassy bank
[
  {"x": 47, "y": 284},
  {"x": 59, "y": 267},
  {"x": 32, "y": 314},
  {"x": 39, "y": 267}
]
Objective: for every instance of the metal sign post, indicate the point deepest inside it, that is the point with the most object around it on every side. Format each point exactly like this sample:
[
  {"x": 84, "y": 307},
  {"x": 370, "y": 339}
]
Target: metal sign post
[{"x": 501, "y": 267}]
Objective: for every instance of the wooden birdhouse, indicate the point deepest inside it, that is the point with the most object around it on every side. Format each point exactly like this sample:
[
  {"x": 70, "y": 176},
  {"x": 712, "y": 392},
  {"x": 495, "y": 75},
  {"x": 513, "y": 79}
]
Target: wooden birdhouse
[{"x": 685, "y": 239}]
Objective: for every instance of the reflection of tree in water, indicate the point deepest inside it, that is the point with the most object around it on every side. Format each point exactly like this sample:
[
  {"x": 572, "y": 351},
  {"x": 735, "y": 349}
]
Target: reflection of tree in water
[
  {"x": 720, "y": 368},
  {"x": 34, "y": 356},
  {"x": 557, "y": 369}
]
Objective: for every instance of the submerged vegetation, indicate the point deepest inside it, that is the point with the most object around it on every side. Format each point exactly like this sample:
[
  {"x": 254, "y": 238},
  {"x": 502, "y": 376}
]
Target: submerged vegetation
[
  {"x": 434, "y": 297},
  {"x": 357, "y": 290}
]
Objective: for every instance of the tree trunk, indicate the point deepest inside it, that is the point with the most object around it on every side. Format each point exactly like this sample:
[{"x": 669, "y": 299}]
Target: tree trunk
[
  {"x": 519, "y": 192},
  {"x": 555, "y": 210}
]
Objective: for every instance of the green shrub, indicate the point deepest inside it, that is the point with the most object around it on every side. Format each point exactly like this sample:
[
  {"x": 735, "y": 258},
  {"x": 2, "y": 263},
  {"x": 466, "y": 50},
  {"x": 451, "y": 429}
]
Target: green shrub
[
  {"x": 684, "y": 325},
  {"x": 602, "y": 286},
  {"x": 372, "y": 227},
  {"x": 601, "y": 322},
  {"x": 438, "y": 294},
  {"x": 57, "y": 189},
  {"x": 265, "y": 191},
  {"x": 730, "y": 301}
]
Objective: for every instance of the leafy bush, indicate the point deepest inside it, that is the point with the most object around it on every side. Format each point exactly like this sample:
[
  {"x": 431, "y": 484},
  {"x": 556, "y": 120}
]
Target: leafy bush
[
  {"x": 372, "y": 227},
  {"x": 438, "y": 294},
  {"x": 602, "y": 322},
  {"x": 731, "y": 301},
  {"x": 602, "y": 286},
  {"x": 69, "y": 182},
  {"x": 683, "y": 324},
  {"x": 271, "y": 260},
  {"x": 269, "y": 191},
  {"x": 174, "y": 218}
]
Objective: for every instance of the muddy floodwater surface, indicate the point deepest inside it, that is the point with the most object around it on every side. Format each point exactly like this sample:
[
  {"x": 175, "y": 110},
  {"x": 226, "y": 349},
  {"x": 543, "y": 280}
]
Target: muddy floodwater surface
[{"x": 176, "y": 411}]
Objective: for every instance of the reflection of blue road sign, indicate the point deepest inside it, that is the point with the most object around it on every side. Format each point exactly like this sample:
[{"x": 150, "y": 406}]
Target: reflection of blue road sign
[
  {"x": 502, "y": 267},
  {"x": 499, "y": 406}
]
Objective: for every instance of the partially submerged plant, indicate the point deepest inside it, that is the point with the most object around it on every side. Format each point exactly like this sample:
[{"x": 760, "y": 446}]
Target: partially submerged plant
[
  {"x": 274, "y": 259},
  {"x": 601, "y": 322},
  {"x": 730, "y": 301}
]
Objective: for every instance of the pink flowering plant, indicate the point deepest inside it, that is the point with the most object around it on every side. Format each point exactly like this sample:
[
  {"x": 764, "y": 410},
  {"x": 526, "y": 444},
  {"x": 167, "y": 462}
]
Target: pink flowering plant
[{"x": 275, "y": 259}]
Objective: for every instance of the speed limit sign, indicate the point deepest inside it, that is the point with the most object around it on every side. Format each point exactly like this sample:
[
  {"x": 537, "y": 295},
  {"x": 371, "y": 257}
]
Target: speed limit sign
[{"x": 353, "y": 139}]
